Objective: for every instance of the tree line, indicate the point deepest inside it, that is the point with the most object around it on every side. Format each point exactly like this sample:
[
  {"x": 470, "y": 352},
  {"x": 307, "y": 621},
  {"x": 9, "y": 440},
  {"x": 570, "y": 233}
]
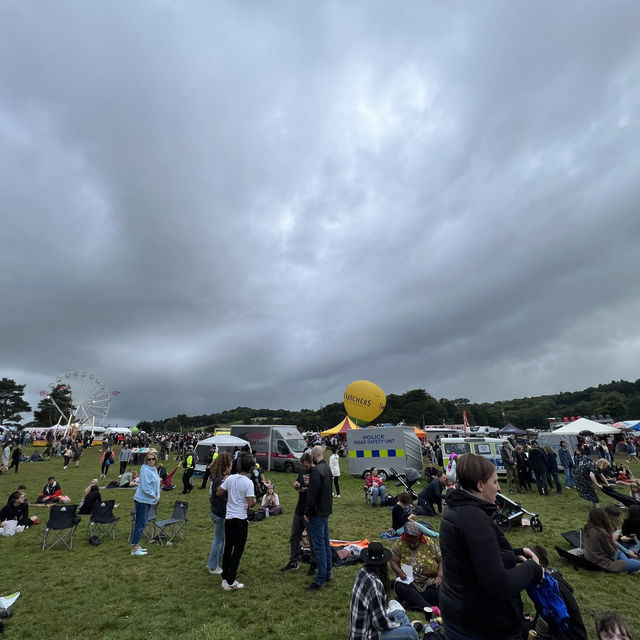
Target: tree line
[{"x": 619, "y": 399}]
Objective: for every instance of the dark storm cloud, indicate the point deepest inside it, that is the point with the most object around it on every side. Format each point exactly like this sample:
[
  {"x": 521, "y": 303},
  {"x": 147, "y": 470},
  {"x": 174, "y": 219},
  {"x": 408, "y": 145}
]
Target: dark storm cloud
[{"x": 212, "y": 204}]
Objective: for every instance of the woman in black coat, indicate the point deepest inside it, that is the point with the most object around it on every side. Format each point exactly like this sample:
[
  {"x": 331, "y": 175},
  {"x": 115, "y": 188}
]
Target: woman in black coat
[{"x": 480, "y": 591}]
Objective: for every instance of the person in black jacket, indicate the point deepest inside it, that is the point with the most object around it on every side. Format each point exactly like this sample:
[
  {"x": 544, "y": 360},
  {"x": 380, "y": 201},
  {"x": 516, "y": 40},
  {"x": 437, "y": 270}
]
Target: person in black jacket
[
  {"x": 316, "y": 516},
  {"x": 482, "y": 580},
  {"x": 539, "y": 466},
  {"x": 432, "y": 495}
]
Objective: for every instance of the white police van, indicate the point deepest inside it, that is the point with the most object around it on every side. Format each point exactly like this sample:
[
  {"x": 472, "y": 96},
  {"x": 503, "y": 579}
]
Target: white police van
[{"x": 486, "y": 447}]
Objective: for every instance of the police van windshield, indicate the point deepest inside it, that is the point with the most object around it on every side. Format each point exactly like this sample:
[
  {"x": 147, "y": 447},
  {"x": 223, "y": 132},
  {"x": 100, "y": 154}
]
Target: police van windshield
[{"x": 456, "y": 447}]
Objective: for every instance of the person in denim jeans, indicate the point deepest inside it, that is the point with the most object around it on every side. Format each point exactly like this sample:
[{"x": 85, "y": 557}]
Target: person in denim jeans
[
  {"x": 219, "y": 471},
  {"x": 147, "y": 493},
  {"x": 316, "y": 516},
  {"x": 566, "y": 460}
]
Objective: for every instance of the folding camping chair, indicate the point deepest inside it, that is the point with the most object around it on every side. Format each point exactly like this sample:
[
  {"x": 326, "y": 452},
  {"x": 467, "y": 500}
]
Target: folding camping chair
[
  {"x": 575, "y": 555},
  {"x": 102, "y": 522},
  {"x": 164, "y": 531},
  {"x": 61, "y": 526},
  {"x": 148, "y": 529}
]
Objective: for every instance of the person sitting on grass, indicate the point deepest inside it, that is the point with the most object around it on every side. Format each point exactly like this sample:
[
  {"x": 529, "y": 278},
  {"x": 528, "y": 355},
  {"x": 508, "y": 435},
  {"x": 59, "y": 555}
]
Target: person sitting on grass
[
  {"x": 51, "y": 492},
  {"x": 628, "y": 544},
  {"x": 375, "y": 486},
  {"x": 369, "y": 619},
  {"x": 420, "y": 556},
  {"x": 401, "y": 511},
  {"x": 17, "y": 509},
  {"x": 90, "y": 497},
  {"x": 271, "y": 502},
  {"x": 129, "y": 479},
  {"x": 600, "y": 547},
  {"x": 607, "y": 478},
  {"x": 625, "y": 477},
  {"x": 545, "y": 625}
]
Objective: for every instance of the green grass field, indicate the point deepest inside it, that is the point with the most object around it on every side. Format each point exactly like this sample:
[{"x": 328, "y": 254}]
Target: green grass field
[{"x": 104, "y": 592}]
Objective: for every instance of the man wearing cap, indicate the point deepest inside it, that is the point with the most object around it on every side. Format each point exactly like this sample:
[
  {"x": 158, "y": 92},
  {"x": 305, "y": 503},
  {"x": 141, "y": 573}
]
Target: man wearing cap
[
  {"x": 368, "y": 617},
  {"x": 188, "y": 464}
]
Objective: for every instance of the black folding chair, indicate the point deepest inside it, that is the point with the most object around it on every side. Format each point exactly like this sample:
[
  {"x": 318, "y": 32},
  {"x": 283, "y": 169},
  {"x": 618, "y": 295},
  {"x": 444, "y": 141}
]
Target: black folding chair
[
  {"x": 575, "y": 555},
  {"x": 164, "y": 531},
  {"x": 151, "y": 519},
  {"x": 102, "y": 521},
  {"x": 61, "y": 526}
]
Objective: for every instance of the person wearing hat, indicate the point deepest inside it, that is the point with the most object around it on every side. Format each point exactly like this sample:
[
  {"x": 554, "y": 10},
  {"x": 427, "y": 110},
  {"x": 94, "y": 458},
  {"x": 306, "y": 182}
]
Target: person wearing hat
[
  {"x": 422, "y": 554},
  {"x": 368, "y": 608},
  {"x": 189, "y": 465}
]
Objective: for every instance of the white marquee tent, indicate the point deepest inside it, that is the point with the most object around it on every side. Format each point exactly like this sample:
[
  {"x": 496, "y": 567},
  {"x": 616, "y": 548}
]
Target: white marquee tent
[{"x": 583, "y": 424}]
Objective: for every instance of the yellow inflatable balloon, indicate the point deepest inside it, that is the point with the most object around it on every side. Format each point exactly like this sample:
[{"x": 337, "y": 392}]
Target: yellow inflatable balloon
[{"x": 364, "y": 401}]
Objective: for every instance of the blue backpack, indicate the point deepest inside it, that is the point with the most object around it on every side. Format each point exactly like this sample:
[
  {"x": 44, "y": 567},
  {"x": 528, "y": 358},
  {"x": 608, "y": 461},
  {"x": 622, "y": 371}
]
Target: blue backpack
[{"x": 548, "y": 601}]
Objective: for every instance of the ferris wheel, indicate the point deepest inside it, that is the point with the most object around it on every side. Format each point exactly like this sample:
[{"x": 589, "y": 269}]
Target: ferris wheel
[{"x": 90, "y": 396}]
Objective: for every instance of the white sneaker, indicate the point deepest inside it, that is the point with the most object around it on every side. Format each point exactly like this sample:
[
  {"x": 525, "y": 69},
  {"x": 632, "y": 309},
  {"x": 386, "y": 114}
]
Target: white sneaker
[
  {"x": 237, "y": 585},
  {"x": 338, "y": 496},
  {"x": 215, "y": 572},
  {"x": 226, "y": 586},
  {"x": 139, "y": 552},
  {"x": 8, "y": 601}
]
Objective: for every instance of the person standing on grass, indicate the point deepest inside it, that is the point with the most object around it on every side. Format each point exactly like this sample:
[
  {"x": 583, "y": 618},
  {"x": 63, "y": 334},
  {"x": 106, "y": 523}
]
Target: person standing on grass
[
  {"x": 189, "y": 465},
  {"x": 240, "y": 496},
  {"x": 539, "y": 465},
  {"x": 124, "y": 457},
  {"x": 316, "y": 516},
  {"x": 147, "y": 494},
  {"x": 334, "y": 465},
  {"x": 220, "y": 469},
  {"x": 566, "y": 460},
  {"x": 552, "y": 464},
  {"x": 16, "y": 454},
  {"x": 301, "y": 485},
  {"x": 106, "y": 461},
  {"x": 209, "y": 460},
  {"x": 509, "y": 462}
]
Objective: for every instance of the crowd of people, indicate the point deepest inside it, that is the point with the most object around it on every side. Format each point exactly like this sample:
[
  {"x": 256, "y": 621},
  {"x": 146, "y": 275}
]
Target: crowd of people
[{"x": 469, "y": 574}]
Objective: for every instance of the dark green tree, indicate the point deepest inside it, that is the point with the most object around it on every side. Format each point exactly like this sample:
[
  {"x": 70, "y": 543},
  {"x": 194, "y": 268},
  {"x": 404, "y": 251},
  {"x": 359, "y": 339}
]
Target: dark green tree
[
  {"x": 12, "y": 403},
  {"x": 48, "y": 414},
  {"x": 614, "y": 405}
]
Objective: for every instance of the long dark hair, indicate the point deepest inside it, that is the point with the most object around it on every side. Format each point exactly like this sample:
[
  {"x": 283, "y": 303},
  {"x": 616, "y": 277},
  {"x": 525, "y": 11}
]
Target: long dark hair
[
  {"x": 599, "y": 521},
  {"x": 381, "y": 571}
]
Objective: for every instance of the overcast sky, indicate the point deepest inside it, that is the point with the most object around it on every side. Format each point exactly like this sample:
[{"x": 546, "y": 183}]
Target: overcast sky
[{"x": 213, "y": 204}]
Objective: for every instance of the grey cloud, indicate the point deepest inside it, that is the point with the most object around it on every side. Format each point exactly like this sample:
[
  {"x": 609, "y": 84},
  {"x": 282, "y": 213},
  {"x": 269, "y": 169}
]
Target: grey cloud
[{"x": 212, "y": 204}]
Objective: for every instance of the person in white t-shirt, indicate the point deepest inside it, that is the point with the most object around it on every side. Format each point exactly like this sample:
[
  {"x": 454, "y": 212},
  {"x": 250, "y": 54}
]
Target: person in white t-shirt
[{"x": 240, "y": 496}]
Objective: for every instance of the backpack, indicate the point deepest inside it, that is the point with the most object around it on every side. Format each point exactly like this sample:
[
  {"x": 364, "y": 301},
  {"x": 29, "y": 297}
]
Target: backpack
[{"x": 548, "y": 602}]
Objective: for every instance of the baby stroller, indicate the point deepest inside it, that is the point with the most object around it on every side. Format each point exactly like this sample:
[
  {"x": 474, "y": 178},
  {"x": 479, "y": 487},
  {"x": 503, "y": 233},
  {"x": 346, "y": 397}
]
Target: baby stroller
[
  {"x": 509, "y": 514},
  {"x": 411, "y": 476}
]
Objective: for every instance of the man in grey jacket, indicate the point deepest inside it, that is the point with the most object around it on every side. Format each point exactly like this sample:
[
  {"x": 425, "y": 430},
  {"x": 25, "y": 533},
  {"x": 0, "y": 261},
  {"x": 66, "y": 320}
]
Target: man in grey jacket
[{"x": 316, "y": 516}]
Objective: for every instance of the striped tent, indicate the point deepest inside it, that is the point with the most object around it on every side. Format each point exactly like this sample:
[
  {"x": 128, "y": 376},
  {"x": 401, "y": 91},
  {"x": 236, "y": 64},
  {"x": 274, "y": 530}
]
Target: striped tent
[{"x": 341, "y": 428}]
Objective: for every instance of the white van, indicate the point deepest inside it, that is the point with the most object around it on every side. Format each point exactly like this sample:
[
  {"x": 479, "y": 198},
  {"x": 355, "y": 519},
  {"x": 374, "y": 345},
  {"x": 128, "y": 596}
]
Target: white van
[
  {"x": 277, "y": 447},
  {"x": 487, "y": 447}
]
